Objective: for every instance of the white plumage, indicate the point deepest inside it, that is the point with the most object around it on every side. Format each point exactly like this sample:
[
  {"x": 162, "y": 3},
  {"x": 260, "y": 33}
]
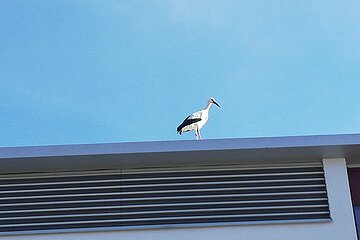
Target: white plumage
[{"x": 197, "y": 120}]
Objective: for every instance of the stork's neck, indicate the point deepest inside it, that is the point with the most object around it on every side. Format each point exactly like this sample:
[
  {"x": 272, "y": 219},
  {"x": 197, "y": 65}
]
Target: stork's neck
[{"x": 208, "y": 106}]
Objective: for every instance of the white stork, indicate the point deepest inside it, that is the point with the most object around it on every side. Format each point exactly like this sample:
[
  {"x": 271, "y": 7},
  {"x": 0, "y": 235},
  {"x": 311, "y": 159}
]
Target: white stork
[{"x": 197, "y": 120}]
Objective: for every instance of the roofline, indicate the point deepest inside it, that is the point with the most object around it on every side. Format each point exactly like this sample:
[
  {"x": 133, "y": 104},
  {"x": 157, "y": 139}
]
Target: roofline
[
  {"x": 239, "y": 151},
  {"x": 180, "y": 146}
]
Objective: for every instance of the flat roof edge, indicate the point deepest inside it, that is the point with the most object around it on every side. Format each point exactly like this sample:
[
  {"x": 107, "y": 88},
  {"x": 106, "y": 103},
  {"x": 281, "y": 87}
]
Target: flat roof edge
[{"x": 180, "y": 146}]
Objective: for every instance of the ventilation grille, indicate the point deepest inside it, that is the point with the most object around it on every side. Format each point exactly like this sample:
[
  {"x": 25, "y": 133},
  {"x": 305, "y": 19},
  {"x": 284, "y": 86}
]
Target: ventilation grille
[{"x": 155, "y": 198}]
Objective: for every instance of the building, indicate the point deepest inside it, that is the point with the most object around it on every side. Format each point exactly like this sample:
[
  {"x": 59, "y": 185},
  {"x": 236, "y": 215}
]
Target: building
[{"x": 254, "y": 188}]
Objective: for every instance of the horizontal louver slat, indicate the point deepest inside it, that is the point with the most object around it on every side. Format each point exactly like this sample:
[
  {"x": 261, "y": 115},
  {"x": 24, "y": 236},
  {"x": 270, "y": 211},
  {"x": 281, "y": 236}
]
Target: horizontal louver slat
[{"x": 161, "y": 197}]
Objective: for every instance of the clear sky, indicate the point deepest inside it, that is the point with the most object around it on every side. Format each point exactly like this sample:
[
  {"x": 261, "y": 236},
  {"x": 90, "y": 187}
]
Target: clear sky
[{"x": 97, "y": 71}]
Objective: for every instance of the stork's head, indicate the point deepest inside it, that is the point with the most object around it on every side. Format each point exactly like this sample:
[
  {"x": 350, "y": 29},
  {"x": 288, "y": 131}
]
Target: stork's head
[{"x": 212, "y": 100}]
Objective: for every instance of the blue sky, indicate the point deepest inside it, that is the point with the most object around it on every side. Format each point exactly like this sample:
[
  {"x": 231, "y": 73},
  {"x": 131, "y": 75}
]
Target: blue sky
[{"x": 117, "y": 71}]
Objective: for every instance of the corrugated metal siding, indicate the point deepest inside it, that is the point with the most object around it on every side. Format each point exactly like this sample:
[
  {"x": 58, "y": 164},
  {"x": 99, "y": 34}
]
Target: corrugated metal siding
[{"x": 161, "y": 197}]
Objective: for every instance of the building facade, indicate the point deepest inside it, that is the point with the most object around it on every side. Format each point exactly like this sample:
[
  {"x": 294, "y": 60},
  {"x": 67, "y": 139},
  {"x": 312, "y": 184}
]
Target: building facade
[{"x": 303, "y": 187}]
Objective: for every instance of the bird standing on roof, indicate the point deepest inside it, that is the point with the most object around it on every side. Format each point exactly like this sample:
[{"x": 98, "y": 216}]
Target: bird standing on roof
[{"x": 197, "y": 120}]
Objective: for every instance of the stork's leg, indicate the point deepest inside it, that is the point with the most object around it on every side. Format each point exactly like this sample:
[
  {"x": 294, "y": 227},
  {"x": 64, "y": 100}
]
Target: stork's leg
[
  {"x": 196, "y": 135},
  {"x": 199, "y": 134}
]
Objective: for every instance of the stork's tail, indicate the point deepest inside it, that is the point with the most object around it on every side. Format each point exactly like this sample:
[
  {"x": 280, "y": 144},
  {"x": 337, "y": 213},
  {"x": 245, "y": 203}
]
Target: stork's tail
[{"x": 179, "y": 130}]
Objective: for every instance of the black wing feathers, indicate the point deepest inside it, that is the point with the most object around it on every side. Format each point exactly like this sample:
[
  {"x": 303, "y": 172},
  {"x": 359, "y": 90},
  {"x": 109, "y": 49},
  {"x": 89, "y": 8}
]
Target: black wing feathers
[{"x": 186, "y": 122}]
